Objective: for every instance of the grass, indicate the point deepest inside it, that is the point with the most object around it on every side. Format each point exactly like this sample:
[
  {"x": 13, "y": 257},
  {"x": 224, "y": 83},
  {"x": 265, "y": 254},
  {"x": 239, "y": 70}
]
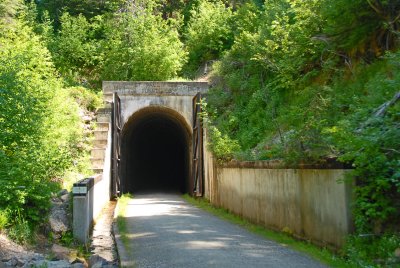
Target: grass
[
  {"x": 321, "y": 254},
  {"x": 121, "y": 219}
]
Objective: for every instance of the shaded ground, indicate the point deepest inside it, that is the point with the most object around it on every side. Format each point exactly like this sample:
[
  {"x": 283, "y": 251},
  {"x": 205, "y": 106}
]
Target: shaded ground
[
  {"x": 102, "y": 242},
  {"x": 45, "y": 253},
  {"x": 165, "y": 231},
  {"x": 9, "y": 249}
]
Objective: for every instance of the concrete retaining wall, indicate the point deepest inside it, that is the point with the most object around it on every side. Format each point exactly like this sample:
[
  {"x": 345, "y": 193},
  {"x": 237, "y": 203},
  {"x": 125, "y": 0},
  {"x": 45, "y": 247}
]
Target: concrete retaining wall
[
  {"x": 308, "y": 202},
  {"x": 90, "y": 197},
  {"x": 101, "y": 187}
]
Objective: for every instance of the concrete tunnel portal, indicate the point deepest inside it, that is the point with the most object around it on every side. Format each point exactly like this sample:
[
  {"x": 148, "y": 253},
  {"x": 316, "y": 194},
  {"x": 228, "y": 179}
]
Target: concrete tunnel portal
[{"x": 155, "y": 152}]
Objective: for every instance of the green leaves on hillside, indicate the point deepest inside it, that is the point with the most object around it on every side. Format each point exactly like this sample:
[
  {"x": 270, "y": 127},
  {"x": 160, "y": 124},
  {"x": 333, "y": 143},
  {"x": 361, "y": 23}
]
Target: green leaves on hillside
[
  {"x": 141, "y": 46},
  {"x": 266, "y": 61},
  {"x": 208, "y": 33},
  {"x": 370, "y": 141},
  {"x": 75, "y": 48},
  {"x": 363, "y": 28},
  {"x": 301, "y": 83},
  {"x": 134, "y": 44},
  {"x": 39, "y": 126}
]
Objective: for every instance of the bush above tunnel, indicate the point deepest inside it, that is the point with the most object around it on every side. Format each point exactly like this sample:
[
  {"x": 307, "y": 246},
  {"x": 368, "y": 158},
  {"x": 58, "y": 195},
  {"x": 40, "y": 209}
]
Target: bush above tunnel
[{"x": 142, "y": 46}]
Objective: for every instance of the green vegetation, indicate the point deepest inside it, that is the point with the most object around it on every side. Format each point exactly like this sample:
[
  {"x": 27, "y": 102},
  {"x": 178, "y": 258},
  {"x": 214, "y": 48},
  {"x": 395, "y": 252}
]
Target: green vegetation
[
  {"x": 41, "y": 131},
  {"x": 142, "y": 46},
  {"x": 208, "y": 33},
  {"x": 367, "y": 251},
  {"x": 312, "y": 82},
  {"x": 283, "y": 238},
  {"x": 303, "y": 81},
  {"x": 121, "y": 219}
]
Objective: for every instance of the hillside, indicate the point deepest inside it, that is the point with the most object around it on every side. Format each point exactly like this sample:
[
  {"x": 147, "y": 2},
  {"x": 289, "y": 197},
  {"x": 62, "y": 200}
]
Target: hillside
[{"x": 302, "y": 81}]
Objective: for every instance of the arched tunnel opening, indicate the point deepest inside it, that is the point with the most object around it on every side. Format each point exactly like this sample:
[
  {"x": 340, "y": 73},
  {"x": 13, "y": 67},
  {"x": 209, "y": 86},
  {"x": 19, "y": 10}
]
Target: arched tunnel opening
[{"x": 155, "y": 152}]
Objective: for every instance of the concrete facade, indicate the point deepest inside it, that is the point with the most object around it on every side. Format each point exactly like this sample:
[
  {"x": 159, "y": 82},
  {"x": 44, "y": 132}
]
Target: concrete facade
[
  {"x": 144, "y": 103},
  {"x": 136, "y": 96},
  {"x": 310, "y": 203}
]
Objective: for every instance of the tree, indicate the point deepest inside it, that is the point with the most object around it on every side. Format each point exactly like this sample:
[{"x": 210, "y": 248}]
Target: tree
[
  {"x": 208, "y": 33},
  {"x": 86, "y": 8},
  {"x": 39, "y": 127},
  {"x": 141, "y": 46},
  {"x": 75, "y": 48},
  {"x": 366, "y": 28}
]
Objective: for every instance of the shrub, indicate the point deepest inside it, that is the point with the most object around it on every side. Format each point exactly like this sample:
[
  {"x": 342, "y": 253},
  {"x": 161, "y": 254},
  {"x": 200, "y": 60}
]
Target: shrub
[
  {"x": 371, "y": 251},
  {"x": 40, "y": 128},
  {"x": 76, "y": 50},
  {"x": 3, "y": 219},
  {"x": 208, "y": 33},
  {"x": 141, "y": 46},
  {"x": 85, "y": 98},
  {"x": 20, "y": 231}
]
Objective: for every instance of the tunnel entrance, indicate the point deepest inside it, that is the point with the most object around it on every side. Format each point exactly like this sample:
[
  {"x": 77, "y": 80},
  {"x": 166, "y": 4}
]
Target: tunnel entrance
[{"x": 155, "y": 152}]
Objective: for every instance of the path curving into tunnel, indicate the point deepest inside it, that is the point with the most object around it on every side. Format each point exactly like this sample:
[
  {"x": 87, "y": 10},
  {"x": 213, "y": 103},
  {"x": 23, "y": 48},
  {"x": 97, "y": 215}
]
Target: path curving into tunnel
[{"x": 155, "y": 152}]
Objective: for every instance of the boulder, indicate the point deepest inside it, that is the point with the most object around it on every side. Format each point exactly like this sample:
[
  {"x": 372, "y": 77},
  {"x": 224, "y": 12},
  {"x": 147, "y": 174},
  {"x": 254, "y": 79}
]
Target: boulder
[
  {"x": 96, "y": 261},
  {"x": 65, "y": 197},
  {"x": 59, "y": 220},
  {"x": 63, "y": 253},
  {"x": 13, "y": 262},
  {"x": 58, "y": 264},
  {"x": 78, "y": 265},
  {"x": 78, "y": 262},
  {"x": 397, "y": 252},
  {"x": 62, "y": 192}
]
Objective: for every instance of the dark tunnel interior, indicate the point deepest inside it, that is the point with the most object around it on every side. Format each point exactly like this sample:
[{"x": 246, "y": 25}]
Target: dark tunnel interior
[{"x": 154, "y": 154}]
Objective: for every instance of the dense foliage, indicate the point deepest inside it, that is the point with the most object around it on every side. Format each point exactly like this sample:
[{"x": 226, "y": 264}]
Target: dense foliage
[
  {"x": 142, "y": 46},
  {"x": 208, "y": 33},
  {"x": 302, "y": 81},
  {"x": 40, "y": 126},
  {"x": 302, "y": 85}
]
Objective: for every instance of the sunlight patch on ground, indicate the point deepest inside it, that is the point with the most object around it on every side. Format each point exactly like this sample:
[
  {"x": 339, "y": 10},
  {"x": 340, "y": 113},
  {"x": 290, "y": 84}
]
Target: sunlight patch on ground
[
  {"x": 186, "y": 232},
  {"x": 153, "y": 207},
  {"x": 137, "y": 235},
  {"x": 205, "y": 244}
]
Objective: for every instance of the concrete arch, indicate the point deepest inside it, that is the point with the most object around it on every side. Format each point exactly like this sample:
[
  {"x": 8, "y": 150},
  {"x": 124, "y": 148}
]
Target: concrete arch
[{"x": 156, "y": 151}]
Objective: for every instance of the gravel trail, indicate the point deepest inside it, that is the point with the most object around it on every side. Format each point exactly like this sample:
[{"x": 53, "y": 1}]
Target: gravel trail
[{"x": 165, "y": 231}]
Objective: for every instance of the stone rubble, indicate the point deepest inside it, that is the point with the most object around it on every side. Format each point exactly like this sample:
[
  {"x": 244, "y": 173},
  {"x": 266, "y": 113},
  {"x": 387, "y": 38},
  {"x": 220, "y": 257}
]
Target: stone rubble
[
  {"x": 102, "y": 247},
  {"x": 102, "y": 243},
  {"x": 39, "y": 260},
  {"x": 59, "y": 219}
]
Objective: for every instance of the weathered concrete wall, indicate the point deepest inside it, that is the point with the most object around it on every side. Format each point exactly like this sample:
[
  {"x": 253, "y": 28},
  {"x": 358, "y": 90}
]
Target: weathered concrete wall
[
  {"x": 101, "y": 188},
  {"x": 88, "y": 204},
  {"x": 138, "y": 95},
  {"x": 308, "y": 202},
  {"x": 145, "y": 99},
  {"x": 210, "y": 175}
]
